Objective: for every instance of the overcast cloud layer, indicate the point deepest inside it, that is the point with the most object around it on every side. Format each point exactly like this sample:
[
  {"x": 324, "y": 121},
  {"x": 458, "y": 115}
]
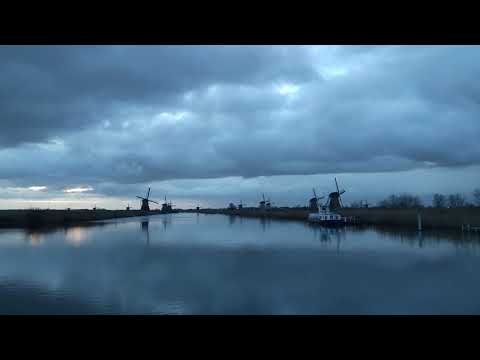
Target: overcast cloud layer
[{"x": 212, "y": 123}]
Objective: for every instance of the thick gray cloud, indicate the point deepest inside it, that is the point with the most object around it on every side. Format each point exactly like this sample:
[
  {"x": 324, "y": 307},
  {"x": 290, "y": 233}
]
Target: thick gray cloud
[
  {"x": 119, "y": 117},
  {"x": 52, "y": 89}
]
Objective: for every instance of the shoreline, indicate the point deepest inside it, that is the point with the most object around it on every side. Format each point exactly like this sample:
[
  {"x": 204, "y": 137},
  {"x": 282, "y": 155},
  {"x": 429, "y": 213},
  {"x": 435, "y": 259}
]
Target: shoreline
[
  {"x": 431, "y": 218},
  {"x": 46, "y": 218}
]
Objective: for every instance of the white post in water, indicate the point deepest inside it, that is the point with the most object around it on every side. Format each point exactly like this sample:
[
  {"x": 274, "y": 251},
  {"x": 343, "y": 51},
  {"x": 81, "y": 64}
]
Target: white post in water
[{"x": 419, "y": 221}]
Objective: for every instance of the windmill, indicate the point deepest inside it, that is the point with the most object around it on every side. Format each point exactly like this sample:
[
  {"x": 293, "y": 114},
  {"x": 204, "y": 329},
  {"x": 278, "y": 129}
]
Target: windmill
[
  {"x": 314, "y": 201},
  {"x": 268, "y": 203},
  {"x": 334, "y": 199},
  {"x": 166, "y": 207},
  {"x": 145, "y": 201},
  {"x": 240, "y": 206},
  {"x": 263, "y": 202}
]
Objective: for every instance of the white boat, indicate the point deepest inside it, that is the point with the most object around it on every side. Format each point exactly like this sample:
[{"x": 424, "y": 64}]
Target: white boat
[{"x": 327, "y": 217}]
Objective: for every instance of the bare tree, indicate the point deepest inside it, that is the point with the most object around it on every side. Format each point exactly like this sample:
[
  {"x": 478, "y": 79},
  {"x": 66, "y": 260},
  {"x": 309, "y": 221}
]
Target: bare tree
[
  {"x": 456, "y": 200},
  {"x": 401, "y": 201},
  {"x": 439, "y": 201}
]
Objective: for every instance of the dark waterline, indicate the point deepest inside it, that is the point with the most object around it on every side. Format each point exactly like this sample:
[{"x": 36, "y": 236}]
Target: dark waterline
[{"x": 217, "y": 264}]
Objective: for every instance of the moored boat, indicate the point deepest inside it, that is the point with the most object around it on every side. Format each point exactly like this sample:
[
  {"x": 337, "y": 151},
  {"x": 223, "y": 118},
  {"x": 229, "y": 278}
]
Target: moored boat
[{"x": 326, "y": 217}]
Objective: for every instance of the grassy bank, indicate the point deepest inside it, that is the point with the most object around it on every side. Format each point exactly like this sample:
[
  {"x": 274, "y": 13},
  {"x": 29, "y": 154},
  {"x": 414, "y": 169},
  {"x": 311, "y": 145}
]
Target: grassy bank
[
  {"x": 431, "y": 218},
  {"x": 34, "y": 218}
]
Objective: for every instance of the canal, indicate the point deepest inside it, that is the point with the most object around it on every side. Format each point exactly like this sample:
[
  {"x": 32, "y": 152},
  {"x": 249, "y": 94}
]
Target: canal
[{"x": 216, "y": 264}]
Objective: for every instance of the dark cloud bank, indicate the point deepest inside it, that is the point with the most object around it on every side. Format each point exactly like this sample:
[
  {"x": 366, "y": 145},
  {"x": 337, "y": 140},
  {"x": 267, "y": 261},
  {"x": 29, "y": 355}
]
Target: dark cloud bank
[{"x": 97, "y": 115}]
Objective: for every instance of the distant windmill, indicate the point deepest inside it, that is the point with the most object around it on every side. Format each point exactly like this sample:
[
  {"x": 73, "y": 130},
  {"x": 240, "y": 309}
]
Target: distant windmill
[
  {"x": 314, "y": 201},
  {"x": 145, "y": 201},
  {"x": 268, "y": 203},
  {"x": 263, "y": 202},
  {"x": 240, "y": 206},
  {"x": 166, "y": 207},
  {"x": 334, "y": 199}
]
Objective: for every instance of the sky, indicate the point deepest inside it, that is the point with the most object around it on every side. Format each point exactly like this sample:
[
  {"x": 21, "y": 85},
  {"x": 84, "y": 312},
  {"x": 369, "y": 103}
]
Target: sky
[{"x": 206, "y": 125}]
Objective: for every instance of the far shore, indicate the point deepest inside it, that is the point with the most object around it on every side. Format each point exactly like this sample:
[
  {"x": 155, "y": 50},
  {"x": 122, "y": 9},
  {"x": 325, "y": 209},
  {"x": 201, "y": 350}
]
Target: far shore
[
  {"x": 41, "y": 218},
  {"x": 431, "y": 218}
]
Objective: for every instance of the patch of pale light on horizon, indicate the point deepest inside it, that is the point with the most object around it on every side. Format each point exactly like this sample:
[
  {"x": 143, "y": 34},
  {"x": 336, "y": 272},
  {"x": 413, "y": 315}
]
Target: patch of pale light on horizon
[
  {"x": 26, "y": 189},
  {"x": 38, "y": 188},
  {"x": 78, "y": 190}
]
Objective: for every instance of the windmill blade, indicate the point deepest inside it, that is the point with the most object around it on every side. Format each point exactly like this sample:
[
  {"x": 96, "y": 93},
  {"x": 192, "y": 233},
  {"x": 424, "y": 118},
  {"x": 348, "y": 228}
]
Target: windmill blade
[
  {"x": 341, "y": 192},
  {"x": 153, "y": 201},
  {"x": 336, "y": 184},
  {"x": 263, "y": 196},
  {"x": 148, "y": 193},
  {"x": 314, "y": 193},
  {"x": 141, "y": 198}
]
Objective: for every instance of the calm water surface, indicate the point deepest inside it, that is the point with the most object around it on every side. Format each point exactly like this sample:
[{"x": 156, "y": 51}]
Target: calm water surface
[{"x": 216, "y": 264}]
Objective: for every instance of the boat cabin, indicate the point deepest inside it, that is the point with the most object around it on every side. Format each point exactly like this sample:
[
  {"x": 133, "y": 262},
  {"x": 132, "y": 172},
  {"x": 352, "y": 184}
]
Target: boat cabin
[{"x": 328, "y": 217}]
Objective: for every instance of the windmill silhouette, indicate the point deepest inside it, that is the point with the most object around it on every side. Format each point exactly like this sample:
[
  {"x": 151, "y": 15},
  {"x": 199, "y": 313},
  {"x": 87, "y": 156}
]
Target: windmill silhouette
[
  {"x": 145, "y": 201},
  {"x": 314, "y": 201},
  {"x": 334, "y": 199},
  {"x": 265, "y": 204},
  {"x": 167, "y": 206}
]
